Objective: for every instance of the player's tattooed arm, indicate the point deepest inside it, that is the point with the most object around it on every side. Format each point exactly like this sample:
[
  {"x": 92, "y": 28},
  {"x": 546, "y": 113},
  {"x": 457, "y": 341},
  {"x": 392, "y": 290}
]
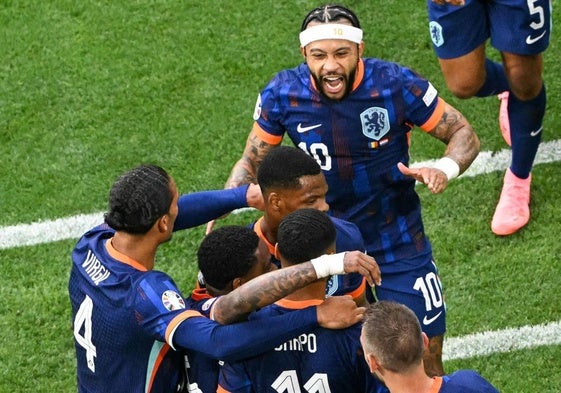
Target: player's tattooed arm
[
  {"x": 261, "y": 291},
  {"x": 245, "y": 170},
  {"x": 462, "y": 143},
  {"x": 275, "y": 285}
]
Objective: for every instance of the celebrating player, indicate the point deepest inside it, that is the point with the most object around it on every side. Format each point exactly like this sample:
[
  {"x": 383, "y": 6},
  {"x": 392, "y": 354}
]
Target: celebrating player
[
  {"x": 130, "y": 321},
  {"x": 393, "y": 348},
  {"x": 290, "y": 180},
  {"x": 227, "y": 258},
  {"x": 354, "y": 115},
  {"x": 319, "y": 357}
]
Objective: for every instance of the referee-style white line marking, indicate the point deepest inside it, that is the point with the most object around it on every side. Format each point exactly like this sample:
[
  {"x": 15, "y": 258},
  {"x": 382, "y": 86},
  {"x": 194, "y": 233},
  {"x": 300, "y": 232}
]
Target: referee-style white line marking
[
  {"x": 506, "y": 340},
  {"x": 48, "y": 231}
]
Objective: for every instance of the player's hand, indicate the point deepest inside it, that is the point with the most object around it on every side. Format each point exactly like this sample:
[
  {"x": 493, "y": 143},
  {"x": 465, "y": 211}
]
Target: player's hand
[
  {"x": 339, "y": 312},
  {"x": 451, "y": 2},
  {"x": 254, "y": 197},
  {"x": 359, "y": 262},
  {"x": 434, "y": 178},
  {"x": 209, "y": 226}
]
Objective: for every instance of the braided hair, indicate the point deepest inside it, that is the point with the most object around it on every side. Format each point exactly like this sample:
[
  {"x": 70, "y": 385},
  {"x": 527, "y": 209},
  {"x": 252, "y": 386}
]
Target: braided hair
[{"x": 139, "y": 198}]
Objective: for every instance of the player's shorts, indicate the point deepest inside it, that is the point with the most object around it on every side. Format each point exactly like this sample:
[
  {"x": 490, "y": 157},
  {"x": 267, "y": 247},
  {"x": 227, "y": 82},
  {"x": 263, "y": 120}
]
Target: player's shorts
[
  {"x": 421, "y": 291},
  {"x": 521, "y": 27}
]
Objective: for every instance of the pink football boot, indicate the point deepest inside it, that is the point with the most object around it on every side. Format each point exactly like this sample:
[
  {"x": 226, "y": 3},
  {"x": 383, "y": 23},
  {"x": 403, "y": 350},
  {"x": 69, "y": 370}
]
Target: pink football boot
[{"x": 513, "y": 209}]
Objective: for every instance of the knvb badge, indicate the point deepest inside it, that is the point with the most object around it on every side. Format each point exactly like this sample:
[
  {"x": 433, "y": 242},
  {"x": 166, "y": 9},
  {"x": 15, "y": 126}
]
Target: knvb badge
[{"x": 375, "y": 122}]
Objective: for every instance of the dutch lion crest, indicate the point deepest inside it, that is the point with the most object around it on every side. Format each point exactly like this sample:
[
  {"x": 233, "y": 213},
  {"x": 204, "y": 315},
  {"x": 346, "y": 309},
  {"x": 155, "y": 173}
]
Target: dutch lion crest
[{"x": 375, "y": 122}]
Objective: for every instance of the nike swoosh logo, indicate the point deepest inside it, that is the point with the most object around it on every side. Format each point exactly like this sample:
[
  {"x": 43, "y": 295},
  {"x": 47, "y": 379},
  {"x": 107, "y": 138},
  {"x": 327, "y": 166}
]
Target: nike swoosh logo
[
  {"x": 301, "y": 129},
  {"x": 430, "y": 320},
  {"x": 531, "y": 40},
  {"x": 534, "y": 133}
]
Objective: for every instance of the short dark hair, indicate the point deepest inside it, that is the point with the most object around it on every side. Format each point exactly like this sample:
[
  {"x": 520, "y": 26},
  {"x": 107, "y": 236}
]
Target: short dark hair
[
  {"x": 329, "y": 13},
  {"x": 138, "y": 198},
  {"x": 226, "y": 253},
  {"x": 305, "y": 234},
  {"x": 283, "y": 167}
]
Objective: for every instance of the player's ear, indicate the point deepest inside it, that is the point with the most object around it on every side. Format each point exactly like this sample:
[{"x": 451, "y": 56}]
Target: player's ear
[
  {"x": 277, "y": 253},
  {"x": 303, "y": 51},
  {"x": 371, "y": 361},
  {"x": 274, "y": 200},
  {"x": 236, "y": 282},
  {"x": 360, "y": 48},
  {"x": 425, "y": 340},
  {"x": 163, "y": 223}
]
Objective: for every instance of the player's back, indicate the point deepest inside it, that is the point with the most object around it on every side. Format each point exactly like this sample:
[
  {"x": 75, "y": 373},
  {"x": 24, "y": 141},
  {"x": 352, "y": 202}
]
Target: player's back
[
  {"x": 320, "y": 360},
  {"x": 113, "y": 352}
]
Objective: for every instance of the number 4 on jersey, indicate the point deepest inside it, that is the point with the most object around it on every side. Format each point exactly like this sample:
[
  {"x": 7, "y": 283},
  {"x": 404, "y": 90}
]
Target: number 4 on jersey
[{"x": 84, "y": 320}]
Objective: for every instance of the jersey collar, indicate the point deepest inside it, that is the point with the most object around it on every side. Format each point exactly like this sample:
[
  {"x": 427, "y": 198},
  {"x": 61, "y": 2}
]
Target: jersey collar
[
  {"x": 259, "y": 232},
  {"x": 122, "y": 257}
]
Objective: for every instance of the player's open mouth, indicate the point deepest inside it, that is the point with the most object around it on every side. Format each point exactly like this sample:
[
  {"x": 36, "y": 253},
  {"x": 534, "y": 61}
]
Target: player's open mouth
[{"x": 333, "y": 84}]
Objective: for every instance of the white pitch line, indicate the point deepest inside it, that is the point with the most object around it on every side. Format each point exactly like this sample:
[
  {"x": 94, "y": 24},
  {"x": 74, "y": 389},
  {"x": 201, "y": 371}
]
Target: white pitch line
[
  {"x": 487, "y": 343},
  {"x": 48, "y": 231},
  {"x": 73, "y": 227}
]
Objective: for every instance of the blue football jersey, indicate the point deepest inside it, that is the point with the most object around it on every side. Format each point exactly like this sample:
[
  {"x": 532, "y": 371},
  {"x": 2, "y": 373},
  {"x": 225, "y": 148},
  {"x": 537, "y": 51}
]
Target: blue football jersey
[
  {"x": 466, "y": 381},
  {"x": 122, "y": 311},
  {"x": 348, "y": 238},
  {"x": 203, "y": 371},
  {"x": 319, "y": 360},
  {"x": 358, "y": 142}
]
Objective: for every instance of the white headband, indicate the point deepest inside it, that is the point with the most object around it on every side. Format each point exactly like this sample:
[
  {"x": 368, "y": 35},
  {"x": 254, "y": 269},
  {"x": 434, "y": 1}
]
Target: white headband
[{"x": 330, "y": 31}]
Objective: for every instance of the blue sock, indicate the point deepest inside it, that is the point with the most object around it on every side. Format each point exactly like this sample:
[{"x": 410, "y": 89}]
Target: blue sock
[
  {"x": 525, "y": 119},
  {"x": 495, "y": 81}
]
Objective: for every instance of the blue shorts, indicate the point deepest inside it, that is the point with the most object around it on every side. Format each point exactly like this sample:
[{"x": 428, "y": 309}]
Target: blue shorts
[
  {"x": 421, "y": 291},
  {"x": 521, "y": 27}
]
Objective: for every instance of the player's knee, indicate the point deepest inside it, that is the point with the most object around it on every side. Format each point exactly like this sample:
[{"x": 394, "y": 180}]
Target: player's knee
[
  {"x": 464, "y": 85},
  {"x": 526, "y": 89},
  {"x": 463, "y": 90}
]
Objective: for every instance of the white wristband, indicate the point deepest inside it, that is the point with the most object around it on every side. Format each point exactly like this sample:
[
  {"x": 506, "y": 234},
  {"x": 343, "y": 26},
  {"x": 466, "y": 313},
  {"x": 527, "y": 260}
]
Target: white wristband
[
  {"x": 448, "y": 166},
  {"x": 328, "y": 265}
]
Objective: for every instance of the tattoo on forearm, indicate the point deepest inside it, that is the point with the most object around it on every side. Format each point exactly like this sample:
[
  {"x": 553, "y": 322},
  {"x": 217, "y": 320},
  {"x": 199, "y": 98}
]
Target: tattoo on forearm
[
  {"x": 258, "y": 150},
  {"x": 462, "y": 143},
  {"x": 245, "y": 170},
  {"x": 261, "y": 291}
]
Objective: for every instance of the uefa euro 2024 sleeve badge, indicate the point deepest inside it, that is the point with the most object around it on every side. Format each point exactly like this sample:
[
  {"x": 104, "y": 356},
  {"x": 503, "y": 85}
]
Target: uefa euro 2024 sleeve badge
[{"x": 172, "y": 300}]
